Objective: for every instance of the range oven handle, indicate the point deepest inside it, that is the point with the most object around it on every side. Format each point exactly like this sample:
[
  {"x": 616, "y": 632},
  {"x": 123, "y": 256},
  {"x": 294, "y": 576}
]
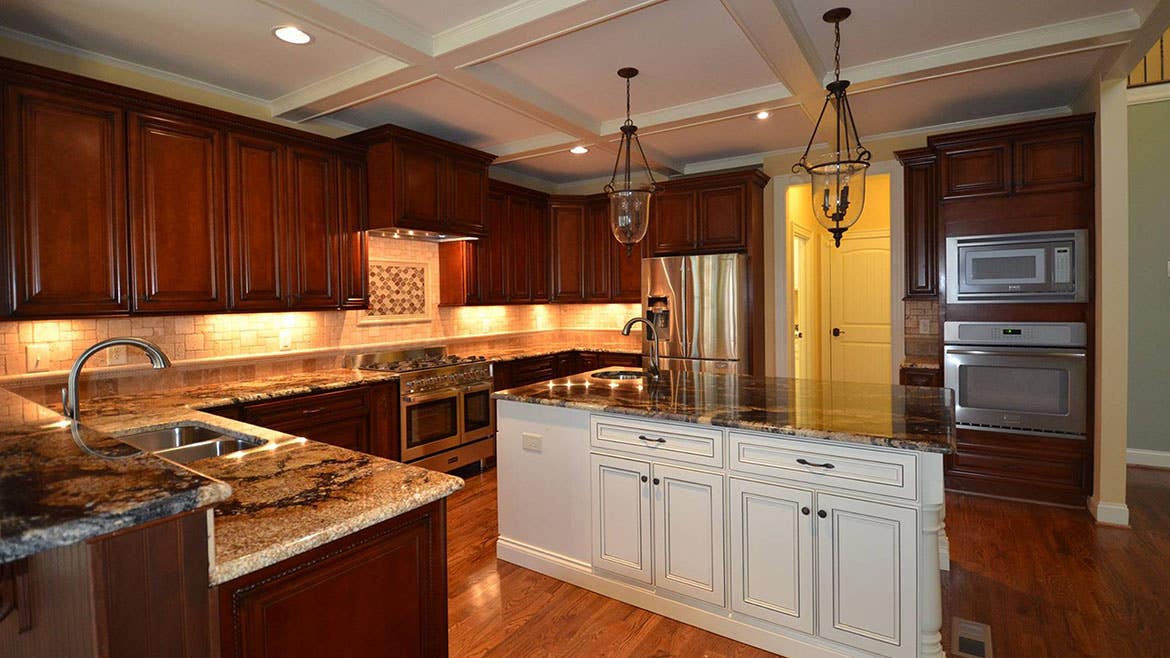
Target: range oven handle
[
  {"x": 435, "y": 395},
  {"x": 1071, "y": 353}
]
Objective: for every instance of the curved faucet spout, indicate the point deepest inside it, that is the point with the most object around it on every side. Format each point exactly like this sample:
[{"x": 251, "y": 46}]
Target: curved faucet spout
[
  {"x": 653, "y": 369},
  {"x": 69, "y": 394}
]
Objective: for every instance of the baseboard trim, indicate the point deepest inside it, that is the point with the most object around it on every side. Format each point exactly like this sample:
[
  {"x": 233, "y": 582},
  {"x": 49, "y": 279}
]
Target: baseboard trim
[
  {"x": 575, "y": 572},
  {"x": 1111, "y": 514},
  {"x": 1151, "y": 458}
]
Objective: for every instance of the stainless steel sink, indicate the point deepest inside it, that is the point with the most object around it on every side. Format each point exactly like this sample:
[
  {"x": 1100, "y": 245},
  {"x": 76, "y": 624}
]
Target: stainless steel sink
[
  {"x": 619, "y": 374},
  {"x": 196, "y": 451},
  {"x": 188, "y": 443}
]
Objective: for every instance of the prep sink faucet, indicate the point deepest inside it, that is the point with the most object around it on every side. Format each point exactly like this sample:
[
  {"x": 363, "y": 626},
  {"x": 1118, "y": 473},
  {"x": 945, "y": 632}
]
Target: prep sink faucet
[
  {"x": 69, "y": 393},
  {"x": 653, "y": 369}
]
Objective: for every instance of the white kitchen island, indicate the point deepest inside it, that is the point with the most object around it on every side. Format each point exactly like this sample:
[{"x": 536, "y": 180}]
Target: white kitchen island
[{"x": 800, "y": 517}]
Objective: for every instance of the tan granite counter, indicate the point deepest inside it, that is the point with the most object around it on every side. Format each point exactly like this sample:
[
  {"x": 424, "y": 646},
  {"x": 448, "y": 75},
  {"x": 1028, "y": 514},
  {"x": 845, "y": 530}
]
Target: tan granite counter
[
  {"x": 910, "y": 417},
  {"x": 291, "y": 494}
]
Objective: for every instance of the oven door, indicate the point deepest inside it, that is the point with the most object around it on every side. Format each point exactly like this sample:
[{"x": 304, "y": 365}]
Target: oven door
[
  {"x": 430, "y": 422},
  {"x": 479, "y": 418},
  {"x": 1029, "y": 389}
]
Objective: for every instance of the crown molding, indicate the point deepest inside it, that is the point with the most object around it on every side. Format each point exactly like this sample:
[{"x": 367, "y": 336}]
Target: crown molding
[{"x": 1155, "y": 93}]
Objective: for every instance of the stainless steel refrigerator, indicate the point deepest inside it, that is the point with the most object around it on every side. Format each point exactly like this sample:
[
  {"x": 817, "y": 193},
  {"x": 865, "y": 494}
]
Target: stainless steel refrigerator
[{"x": 699, "y": 306}]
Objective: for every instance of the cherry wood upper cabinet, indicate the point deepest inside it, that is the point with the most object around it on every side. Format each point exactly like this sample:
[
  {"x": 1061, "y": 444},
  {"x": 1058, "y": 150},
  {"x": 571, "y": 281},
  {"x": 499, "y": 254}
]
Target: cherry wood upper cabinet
[
  {"x": 538, "y": 252},
  {"x": 492, "y": 252},
  {"x": 567, "y": 235},
  {"x": 419, "y": 182},
  {"x": 256, "y": 222},
  {"x": 66, "y": 204},
  {"x": 354, "y": 260},
  {"x": 522, "y": 250},
  {"x": 625, "y": 275},
  {"x": 722, "y": 218},
  {"x": 673, "y": 228},
  {"x": 458, "y": 278},
  {"x": 598, "y": 248},
  {"x": 313, "y": 228},
  {"x": 921, "y": 212},
  {"x": 177, "y": 225},
  {"x": 980, "y": 169},
  {"x": 711, "y": 213},
  {"x": 1060, "y": 160}
]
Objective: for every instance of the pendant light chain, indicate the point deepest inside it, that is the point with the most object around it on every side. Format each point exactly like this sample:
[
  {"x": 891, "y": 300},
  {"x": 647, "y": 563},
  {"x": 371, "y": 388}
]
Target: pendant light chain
[{"x": 629, "y": 206}]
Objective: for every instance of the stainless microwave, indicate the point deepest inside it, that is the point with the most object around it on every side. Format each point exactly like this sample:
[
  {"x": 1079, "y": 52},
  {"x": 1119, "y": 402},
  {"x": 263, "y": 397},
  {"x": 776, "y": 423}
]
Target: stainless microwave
[{"x": 1050, "y": 266}]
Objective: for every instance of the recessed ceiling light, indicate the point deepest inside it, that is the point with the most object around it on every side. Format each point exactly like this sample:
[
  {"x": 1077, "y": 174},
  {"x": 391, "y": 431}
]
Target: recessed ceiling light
[
  {"x": 578, "y": 150},
  {"x": 292, "y": 34},
  {"x": 763, "y": 114}
]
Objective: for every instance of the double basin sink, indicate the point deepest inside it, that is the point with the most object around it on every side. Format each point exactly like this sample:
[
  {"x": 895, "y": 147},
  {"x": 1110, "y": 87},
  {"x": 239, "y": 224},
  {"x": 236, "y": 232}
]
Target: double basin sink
[{"x": 187, "y": 443}]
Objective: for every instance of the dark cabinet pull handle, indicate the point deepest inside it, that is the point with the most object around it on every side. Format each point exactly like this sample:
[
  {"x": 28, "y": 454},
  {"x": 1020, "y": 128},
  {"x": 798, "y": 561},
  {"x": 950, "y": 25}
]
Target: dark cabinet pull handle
[
  {"x": 804, "y": 511},
  {"x": 822, "y": 513},
  {"x": 657, "y": 481},
  {"x": 644, "y": 478},
  {"x": 310, "y": 412},
  {"x": 646, "y": 438},
  {"x": 805, "y": 462}
]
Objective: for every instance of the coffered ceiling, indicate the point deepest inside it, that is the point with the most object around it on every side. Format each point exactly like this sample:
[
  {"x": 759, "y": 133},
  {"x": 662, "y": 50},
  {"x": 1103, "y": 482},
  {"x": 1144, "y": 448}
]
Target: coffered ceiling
[{"x": 528, "y": 79}]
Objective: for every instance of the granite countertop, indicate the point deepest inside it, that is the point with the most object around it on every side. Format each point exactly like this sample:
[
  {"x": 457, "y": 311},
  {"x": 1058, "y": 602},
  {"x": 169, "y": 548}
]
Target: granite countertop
[
  {"x": 909, "y": 417},
  {"x": 528, "y": 352},
  {"x": 274, "y": 501}
]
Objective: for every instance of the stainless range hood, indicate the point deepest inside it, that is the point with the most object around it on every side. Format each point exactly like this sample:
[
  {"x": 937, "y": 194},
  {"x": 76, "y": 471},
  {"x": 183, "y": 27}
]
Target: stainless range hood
[{"x": 421, "y": 236}]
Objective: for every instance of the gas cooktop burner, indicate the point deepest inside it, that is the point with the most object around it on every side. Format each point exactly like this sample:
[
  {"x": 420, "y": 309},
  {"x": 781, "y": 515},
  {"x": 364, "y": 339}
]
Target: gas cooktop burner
[{"x": 423, "y": 363}]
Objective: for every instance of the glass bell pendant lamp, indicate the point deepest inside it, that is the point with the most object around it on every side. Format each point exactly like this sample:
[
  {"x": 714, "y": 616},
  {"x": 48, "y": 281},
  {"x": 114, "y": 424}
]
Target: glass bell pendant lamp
[
  {"x": 629, "y": 204},
  {"x": 838, "y": 179}
]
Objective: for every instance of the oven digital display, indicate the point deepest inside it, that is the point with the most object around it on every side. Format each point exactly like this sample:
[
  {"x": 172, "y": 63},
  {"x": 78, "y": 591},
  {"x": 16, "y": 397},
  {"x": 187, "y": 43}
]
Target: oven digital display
[{"x": 1013, "y": 332}]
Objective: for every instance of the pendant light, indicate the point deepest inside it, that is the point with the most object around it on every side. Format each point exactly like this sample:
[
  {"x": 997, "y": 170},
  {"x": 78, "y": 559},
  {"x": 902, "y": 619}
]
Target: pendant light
[
  {"x": 629, "y": 205},
  {"x": 838, "y": 180}
]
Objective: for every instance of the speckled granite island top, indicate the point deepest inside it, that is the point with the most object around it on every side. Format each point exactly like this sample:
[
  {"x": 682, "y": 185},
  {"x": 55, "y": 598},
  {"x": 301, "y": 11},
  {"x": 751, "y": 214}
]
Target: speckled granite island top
[
  {"x": 270, "y": 502},
  {"x": 910, "y": 417}
]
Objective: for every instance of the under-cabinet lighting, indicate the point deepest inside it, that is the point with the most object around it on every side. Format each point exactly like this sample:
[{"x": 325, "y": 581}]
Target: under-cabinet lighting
[{"x": 292, "y": 34}]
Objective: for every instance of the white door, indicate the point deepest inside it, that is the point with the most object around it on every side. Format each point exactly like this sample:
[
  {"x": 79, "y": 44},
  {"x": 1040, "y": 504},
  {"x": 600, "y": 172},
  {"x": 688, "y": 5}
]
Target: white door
[
  {"x": 859, "y": 308},
  {"x": 866, "y": 578},
  {"x": 772, "y": 553},
  {"x": 803, "y": 324},
  {"x": 688, "y": 537},
  {"x": 621, "y": 517}
]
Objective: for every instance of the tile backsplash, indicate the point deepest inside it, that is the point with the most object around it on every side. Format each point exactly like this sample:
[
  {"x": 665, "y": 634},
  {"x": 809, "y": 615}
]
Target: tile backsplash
[
  {"x": 238, "y": 334},
  {"x": 922, "y": 330}
]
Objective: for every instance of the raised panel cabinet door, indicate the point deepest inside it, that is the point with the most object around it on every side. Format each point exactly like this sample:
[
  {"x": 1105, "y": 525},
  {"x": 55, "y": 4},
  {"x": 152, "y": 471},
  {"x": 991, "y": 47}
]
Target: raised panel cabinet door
[
  {"x": 521, "y": 250},
  {"x": 621, "y": 517},
  {"x": 467, "y": 196},
  {"x": 722, "y": 219},
  {"x": 976, "y": 170},
  {"x": 256, "y": 197},
  {"x": 597, "y": 251},
  {"x": 567, "y": 234},
  {"x": 921, "y": 229},
  {"x": 772, "y": 569},
  {"x": 313, "y": 228},
  {"x": 177, "y": 223},
  {"x": 674, "y": 223},
  {"x": 66, "y": 178},
  {"x": 537, "y": 232},
  {"x": 492, "y": 253},
  {"x": 866, "y": 575},
  {"x": 1059, "y": 161},
  {"x": 688, "y": 532},
  {"x": 418, "y": 186},
  {"x": 625, "y": 271},
  {"x": 354, "y": 221}
]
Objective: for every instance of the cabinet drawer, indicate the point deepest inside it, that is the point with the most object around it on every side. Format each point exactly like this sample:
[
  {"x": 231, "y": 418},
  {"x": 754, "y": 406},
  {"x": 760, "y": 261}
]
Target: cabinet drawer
[
  {"x": 687, "y": 443},
  {"x": 857, "y": 469},
  {"x": 531, "y": 371},
  {"x": 340, "y": 403}
]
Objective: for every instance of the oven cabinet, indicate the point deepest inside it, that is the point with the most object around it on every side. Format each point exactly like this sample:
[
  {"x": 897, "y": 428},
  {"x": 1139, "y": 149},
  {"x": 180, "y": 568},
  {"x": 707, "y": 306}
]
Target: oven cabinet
[
  {"x": 745, "y": 534},
  {"x": 381, "y": 593}
]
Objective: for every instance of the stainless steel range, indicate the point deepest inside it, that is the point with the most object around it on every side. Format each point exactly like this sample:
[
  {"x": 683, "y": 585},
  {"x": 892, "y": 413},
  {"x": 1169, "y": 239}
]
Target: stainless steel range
[{"x": 446, "y": 418}]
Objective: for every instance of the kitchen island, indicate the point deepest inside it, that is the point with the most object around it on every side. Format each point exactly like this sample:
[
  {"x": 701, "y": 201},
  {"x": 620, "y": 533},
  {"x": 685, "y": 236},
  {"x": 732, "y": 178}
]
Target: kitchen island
[
  {"x": 250, "y": 551},
  {"x": 799, "y": 516}
]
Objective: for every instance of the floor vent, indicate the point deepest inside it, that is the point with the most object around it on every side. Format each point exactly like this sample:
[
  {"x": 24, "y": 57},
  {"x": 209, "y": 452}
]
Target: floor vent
[{"x": 970, "y": 639}]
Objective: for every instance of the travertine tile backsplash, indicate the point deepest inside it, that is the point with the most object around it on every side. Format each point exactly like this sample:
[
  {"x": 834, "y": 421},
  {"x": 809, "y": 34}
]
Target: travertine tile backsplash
[
  {"x": 922, "y": 343},
  {"x": 224, "y": 335}
]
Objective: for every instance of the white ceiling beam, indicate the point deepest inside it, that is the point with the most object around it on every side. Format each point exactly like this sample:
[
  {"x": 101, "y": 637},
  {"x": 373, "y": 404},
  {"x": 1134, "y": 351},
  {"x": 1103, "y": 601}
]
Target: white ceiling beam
[
  {"x": 1155, "y": 24},
  {"x": 364, "y": 23},
  {"x": 375, "y": 72},
  {"x": 705, "y": 110},
  {"x": 501, "y": 88},
  {"x": 498, "y": 22},
  {"x": 533, "y": 146}
]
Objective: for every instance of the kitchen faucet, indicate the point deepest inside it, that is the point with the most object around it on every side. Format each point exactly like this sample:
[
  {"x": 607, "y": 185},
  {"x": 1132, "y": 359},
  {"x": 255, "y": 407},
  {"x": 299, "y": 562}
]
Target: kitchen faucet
[
  {"x": 653, "y": 369},
  {"x": 69, "y": 394}
]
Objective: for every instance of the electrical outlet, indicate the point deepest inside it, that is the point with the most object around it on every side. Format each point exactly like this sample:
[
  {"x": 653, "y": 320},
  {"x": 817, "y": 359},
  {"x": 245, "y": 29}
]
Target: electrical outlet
[
  {"x": 533, "y": 442},
  {"x": 37, "y": 358},
  {"x": 923, "y": 326},
  {"x": 116, "y": 355},
  {"x": 285, "y": 339}
]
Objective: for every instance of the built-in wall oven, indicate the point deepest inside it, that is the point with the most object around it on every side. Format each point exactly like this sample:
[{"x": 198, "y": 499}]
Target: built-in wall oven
[
  {"x": 1026, "y": 377},
  {"x": 1049, "y": 266}
]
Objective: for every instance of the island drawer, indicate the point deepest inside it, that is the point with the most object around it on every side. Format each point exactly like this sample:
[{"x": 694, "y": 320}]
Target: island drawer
[
  {"x": 686, "y": 443},
  {"x": 856, "y": 469}
]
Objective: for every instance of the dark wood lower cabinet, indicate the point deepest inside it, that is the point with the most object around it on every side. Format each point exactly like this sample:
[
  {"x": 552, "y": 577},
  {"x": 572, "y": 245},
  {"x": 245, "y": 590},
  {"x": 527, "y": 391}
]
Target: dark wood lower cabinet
[
  {"x": 920, "y": 377},
  {"x": 1028, "y": 467},
  {"x": 378, "y": 593}
]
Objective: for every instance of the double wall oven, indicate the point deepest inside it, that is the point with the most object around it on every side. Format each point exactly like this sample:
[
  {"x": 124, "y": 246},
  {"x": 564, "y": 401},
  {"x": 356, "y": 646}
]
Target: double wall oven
[{"x": 1029, "y": 377}]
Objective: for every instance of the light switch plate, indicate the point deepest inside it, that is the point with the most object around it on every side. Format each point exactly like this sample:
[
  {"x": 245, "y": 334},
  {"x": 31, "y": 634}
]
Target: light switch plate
[
  {"x": 923, "y": 326},
  {"x": 37, "y": 357},
  {"x": 533, "y": 442},
  {"x": 285, "y": 339}
]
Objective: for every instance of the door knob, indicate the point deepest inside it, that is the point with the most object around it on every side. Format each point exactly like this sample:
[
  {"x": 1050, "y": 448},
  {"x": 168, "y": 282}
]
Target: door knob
[{"x": 837, "y": 332}]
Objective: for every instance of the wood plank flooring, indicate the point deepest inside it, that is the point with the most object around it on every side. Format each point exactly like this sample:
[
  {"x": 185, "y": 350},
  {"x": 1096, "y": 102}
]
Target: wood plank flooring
[{"x": 1048, "y": 580}]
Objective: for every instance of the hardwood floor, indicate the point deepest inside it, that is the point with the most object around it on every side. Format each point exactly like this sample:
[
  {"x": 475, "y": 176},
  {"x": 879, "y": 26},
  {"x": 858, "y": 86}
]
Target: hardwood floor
[{"x": 1047, "y": 580}]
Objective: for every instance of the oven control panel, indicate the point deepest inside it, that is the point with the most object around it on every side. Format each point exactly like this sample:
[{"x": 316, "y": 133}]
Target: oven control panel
[{"x": 1048, "y": 334}]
